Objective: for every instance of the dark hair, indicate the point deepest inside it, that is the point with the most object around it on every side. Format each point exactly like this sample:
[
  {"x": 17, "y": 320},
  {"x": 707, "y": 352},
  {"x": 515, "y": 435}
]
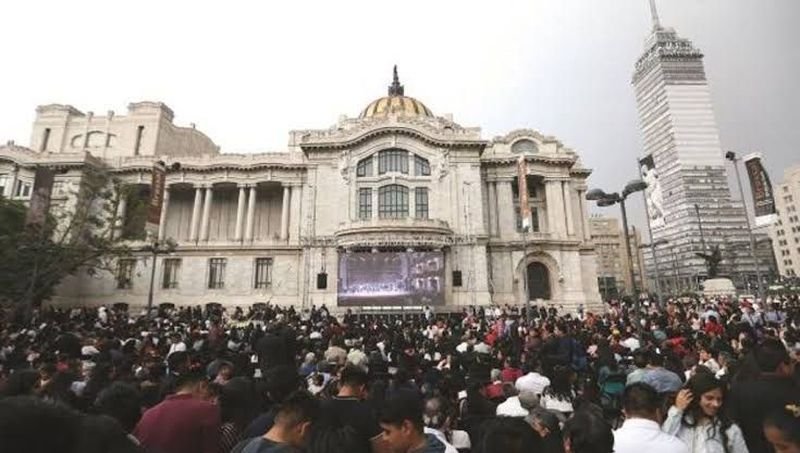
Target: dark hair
[
  {"x": 189, "y": 378},
  {"x": 281, "y": 381},
  {"x": 770, "y": 354},
  {"x": 787, "y": 421},
  {"x": 22, "y": 419},
  {"x": 560, "y": 385},
  {"x": 121, "y": 401},
  {"x": 237, "y": 402},
  {"x": 588, "y": 433},
  {"x": 699, "y": 384},
  {"x": 401, "y": 406},
  {"x": 641, "y": 399},
  {"x": 330, "y": 439},
  {"x": 507, "y": 435},
  {"x": 640, "y": 358},
  {"x": 299, "y": 407},
  {"x": 354, "y": 376}
]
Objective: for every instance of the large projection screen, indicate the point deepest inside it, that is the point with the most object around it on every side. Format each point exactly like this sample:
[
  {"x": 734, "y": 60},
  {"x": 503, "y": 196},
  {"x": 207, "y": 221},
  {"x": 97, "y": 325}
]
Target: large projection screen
[{"x": 391, "y": 278}]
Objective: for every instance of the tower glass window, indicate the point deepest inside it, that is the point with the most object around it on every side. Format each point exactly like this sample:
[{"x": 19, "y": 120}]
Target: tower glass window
[
  {"x": 393, "y": 202},
  {"x": 421, "y": 203},
  {"x": 393, "y": 160},
  {"x": 216, "y": 273},
  {"x": 365, "y": 203}
]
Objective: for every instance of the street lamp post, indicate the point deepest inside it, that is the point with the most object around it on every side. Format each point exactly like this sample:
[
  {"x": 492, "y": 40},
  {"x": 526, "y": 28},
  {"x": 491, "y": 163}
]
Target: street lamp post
[
  {"x": 731, "y": 156},
  {"x": 157, "y": 248},
  {"x": 604, "y": 199}
]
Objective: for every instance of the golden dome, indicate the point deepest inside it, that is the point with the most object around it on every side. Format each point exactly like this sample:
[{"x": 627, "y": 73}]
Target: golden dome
[{"x": 396, "y": 103}]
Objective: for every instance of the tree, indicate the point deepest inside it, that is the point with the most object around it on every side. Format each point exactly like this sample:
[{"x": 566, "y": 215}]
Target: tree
[{"x": 79, "y": 235}]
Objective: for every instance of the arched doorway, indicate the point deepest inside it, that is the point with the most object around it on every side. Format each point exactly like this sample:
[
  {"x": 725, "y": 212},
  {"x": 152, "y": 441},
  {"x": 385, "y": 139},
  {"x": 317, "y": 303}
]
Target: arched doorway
[{"x": 538, "y": 281}]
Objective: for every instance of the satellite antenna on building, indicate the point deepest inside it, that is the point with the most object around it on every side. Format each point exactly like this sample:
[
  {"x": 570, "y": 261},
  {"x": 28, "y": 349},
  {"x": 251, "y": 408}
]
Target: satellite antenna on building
[{"x": 654, "y": 15}]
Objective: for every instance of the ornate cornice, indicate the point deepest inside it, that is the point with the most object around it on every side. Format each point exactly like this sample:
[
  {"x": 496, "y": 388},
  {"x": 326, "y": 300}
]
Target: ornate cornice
[
  {"x": 511, "y": 159},
  {"x": 433, "y": 131},
  {"x": 27, "y": 158}
]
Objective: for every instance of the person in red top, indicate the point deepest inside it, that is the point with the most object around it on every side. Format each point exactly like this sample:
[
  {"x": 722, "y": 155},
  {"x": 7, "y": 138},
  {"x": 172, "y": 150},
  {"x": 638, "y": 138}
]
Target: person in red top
[
  {"x": 185, "y": 422},
  {"x": 510, "y": 371},
  {"x": 712, "y": 326}
]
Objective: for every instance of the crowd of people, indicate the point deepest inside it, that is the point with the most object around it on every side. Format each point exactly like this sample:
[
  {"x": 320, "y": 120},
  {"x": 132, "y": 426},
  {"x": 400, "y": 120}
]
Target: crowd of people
[{"x": 683, "y": 375}]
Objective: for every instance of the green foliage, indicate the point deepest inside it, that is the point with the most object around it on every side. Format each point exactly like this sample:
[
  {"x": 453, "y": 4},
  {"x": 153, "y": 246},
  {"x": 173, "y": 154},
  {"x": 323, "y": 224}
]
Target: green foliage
[{"x": 78, "y": 235}]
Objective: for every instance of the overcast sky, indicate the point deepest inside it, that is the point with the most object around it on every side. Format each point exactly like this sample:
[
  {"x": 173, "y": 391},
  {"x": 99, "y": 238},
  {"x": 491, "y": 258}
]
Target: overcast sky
[{"x": 248, "y": 72}]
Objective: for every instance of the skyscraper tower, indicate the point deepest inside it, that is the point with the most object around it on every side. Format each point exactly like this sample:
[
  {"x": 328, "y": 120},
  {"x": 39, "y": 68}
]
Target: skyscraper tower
[{"x": 688, "y": 199}]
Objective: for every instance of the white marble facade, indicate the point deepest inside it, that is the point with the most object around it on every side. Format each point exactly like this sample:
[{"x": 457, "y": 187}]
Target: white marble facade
[{"x": 302, "y": 207}]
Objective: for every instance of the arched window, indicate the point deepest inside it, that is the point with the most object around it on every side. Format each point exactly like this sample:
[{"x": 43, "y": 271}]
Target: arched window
[
  {"x": 393, "y": 160},
  {"x": 538, "y": 281},
  {"x": 524, "y": 146},
  {"x": 421, "y": 166},
  {"x": 364, "y": 167},
  {"x": 393, "y": 202}
]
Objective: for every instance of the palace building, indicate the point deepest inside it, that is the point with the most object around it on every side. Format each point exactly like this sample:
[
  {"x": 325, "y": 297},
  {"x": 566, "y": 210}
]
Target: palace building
[{"x": 394, "y": 207}]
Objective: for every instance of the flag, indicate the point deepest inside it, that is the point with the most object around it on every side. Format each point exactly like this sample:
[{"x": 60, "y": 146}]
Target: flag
[
  {"x": 761, "y": 188},
  {"x": 522, "y": 186},
  {"x": 156, "y": 197},
  {"x": 652, "y": 194}
]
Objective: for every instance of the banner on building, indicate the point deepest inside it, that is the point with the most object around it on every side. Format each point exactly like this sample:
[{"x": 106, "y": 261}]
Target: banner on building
[
  {"x": 652, "y": 194},
  {"x": 763, "y": 198},
  {"x": 522, "y": 189},
  {"x": 40, "y": 198},
  {"x": 156, "y": 197}
]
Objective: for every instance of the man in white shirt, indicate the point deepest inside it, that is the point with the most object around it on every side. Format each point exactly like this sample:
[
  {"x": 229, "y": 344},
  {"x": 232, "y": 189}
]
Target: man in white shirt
[
  {"x": 533, "y": 381},
  {"x": 518, "y": 405},
  {"x": 641, "y": 431}
]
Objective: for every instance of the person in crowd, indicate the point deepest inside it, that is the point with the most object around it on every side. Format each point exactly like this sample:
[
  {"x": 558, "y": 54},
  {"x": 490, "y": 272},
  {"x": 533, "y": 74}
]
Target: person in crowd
[
  {"x": 403, "y": 427},
  {"x": 772, "y": 389},
  {"x": 330, "y": 439},
  {"x": 548, "y": 426},
  {"x": 292, "y": 429},
  {"x": 123, "y": 402},
  {"x": 238, "y": 406},
  {"x": 699, "y": 419},
  {"x": 517, "y": 405},
  {"x": 349, "y": 408},
  {"x": 560, "y": 394},
  {"x": 641, "y": 430},
  {"x": 782, "y": 429},
  {"x": 506, "y": 434},
  {"x": 279, "y": 382},
  {"x": 587, "y": 432},
  {"x": 532, "y": 381},
  {"x": 438, "y": 421},
  {"x": 660, "y": 378},
  {"x": 185, "y": 422}
]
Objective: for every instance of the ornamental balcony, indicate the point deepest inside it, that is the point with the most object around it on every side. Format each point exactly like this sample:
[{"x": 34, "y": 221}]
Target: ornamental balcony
[{"x": 404, "y": 232}]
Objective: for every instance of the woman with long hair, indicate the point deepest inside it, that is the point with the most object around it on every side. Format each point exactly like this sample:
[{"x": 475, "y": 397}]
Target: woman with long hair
[
  {"x": 560, "y": 394},
  {"x": 698, "y": 418}
]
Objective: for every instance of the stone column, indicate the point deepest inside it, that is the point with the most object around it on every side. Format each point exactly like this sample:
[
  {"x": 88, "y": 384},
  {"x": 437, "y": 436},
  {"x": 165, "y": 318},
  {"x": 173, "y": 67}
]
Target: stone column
[
  {"x": 198, "y": 204},
  {"x": 120, "y": 223},
  {"x": 412, "y": 203},
  {"x": 555, "y": 207},
  {"x": 251, "y": 214},
  {"x": 492, "y": 203},
  {"x": 12, "y": 184},
  {"x": 162, "y": 224},
  {"x": 237, "y": 232},
  {"x": 587, "y": 234},
  {"x": 285, "y": 213},
  {"x": 295, "y": 211},
  {"x": 205, "y": 223},
  {"x": 568, "y": 208},
  {"x": 507, "y": 227},
  {"x": 375, "y": 200}
]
